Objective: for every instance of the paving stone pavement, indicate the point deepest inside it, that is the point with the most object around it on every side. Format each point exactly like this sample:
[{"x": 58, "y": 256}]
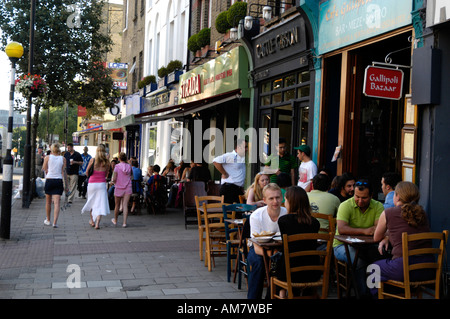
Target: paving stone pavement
[{"x": 154, "y": 257}]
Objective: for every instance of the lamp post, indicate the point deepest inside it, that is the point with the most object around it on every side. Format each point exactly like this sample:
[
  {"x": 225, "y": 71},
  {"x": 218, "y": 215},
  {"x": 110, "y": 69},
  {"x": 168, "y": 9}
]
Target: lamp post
[
  {"x": 26, "y": 194},
  {"x": 14, "y": 51}
]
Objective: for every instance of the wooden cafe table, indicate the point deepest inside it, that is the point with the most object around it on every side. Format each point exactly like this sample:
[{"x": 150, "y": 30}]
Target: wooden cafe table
[
  {"x": 357, "y": 242},
  {"x": 269, "y": 246}
]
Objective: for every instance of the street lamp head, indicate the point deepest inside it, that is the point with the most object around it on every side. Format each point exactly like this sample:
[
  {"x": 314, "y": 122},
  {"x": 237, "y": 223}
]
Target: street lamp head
[
  {"x": 14, "y": 50},
  {"x": 248, "y": 22},
  {"x": 267, "y": 13},
  {"x": 233, "y": 34}
]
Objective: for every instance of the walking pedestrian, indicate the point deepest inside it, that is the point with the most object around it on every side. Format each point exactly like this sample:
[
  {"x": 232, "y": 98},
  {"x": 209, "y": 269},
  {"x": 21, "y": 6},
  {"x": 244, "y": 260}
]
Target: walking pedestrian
[
  {"x": 55, "y": 170},
  {"x": 97, "y": 204},
  {"x": 73, "y": 162},
  {"x": 82, "y": 178},
  {"x": 122, "y": 191}
]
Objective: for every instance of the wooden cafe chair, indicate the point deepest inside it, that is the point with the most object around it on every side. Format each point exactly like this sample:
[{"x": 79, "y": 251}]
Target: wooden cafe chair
[
  {"x": 215, "y": 233},
  {"x": 190, "y": 190},
  {"x": 323, "y": 266},
  {"x": 233, "y": 243},
  {"x": 199, "y": 200},
  {"x": 407, "y": 284},
  {"x": 331, "y": 222}
]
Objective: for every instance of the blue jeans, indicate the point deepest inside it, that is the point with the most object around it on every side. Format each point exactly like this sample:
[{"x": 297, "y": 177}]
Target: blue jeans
[
  {"x": 256, "y": 272},
  {"x": 361, "y": 266}
]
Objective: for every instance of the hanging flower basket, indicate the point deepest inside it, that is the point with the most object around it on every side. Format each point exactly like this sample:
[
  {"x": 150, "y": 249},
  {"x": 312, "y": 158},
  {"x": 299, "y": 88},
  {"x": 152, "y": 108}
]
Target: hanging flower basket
[{"x": 31, "y": 85}]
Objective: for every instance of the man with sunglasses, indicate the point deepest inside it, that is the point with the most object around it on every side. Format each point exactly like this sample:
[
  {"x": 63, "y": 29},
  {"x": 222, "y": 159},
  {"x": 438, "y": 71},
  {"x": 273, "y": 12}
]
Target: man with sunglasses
[{"x": 358, "y": 216}]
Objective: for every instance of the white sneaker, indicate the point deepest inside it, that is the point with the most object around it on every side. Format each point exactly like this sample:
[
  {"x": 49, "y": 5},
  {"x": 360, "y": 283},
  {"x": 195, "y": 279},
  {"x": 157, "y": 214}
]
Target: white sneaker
[{"x": 47, "y": 222}]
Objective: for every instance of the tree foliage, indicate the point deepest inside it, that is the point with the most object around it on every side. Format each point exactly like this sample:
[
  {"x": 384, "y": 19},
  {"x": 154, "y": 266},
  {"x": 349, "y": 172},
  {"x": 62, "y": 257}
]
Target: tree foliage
[{"x": 70, "y": 59}]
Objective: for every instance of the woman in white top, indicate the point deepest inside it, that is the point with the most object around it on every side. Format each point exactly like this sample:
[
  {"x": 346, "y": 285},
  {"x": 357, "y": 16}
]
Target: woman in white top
[{"x": 55, "y": 169}]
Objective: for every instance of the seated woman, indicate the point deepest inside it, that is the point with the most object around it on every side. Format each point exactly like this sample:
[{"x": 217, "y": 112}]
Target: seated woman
[
  {"x": 298, "y": 221},
  {"x": 406, "y": 216},
  {"x": 254, "y": 194}
]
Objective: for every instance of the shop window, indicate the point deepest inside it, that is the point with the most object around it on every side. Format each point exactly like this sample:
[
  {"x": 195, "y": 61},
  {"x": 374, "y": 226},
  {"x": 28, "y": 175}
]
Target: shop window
[
  {"x": 277, "y": 98},
  {"x": 277, "y": 84},
  {"x": 303, "y": 77},
  {"x": 304, "y": 115},
  {"x": 265, "y": 100},
  {"x": 289, "y": 95},
  {"x": 288, "y": 88},
  {"x": 152, "y": 145},
  {"x": 265, "y": 88},
  {"x": 289, "y": 80},
  {"x": 303, "y": 91}
]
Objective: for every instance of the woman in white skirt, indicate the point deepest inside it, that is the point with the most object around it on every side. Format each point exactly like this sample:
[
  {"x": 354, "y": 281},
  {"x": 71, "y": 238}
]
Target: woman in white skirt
[{"x": 97, "y": 204}]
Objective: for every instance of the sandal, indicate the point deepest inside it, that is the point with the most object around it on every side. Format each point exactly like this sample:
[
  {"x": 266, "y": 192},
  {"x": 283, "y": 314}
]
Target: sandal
[{"x": 114, "y": 221}]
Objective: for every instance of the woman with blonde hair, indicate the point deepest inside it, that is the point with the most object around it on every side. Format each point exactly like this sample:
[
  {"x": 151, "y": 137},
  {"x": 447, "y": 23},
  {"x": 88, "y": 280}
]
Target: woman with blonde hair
[
  {"x": 55, "y": 170},
  {"x": 406, "y": 216},
  {"x": 254, "y": 193},
  {"x": 97, "y": 204}
]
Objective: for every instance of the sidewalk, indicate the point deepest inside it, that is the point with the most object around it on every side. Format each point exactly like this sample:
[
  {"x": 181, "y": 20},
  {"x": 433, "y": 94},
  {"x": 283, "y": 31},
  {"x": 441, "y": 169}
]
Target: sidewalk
[{"x": 154, "y": 257}]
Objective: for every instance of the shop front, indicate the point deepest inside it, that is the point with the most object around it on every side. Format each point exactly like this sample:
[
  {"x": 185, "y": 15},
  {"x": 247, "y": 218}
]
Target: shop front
[
  {"x": 283, "y": 79},
  {"x": 214, "y": 97},
  {"x": 161, "y": 134},
  {"x": 364, "y": 129}
]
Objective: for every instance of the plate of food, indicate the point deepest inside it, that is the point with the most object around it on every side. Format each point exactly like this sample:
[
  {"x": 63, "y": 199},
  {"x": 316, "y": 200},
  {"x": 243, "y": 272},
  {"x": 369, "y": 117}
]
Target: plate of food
[
  {"x": 264, "y": 233},
  {"x": 263, "y": 239}
]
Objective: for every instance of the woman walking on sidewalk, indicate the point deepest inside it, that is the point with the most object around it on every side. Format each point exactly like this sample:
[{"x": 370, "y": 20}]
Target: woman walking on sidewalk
[
  {"x": 97, "y": 204},
  {"x": 122, "y": 180},
  {"x": 55, "y": 169}
]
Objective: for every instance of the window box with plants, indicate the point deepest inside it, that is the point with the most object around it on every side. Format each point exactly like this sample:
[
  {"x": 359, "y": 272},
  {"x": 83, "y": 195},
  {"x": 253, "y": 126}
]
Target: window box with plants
[
  {"x": 147, "y": 85},
  {"x": 174, "y": 70}
]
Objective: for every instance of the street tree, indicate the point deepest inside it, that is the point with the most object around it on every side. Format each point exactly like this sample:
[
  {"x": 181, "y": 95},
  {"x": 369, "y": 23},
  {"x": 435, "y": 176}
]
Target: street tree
[{"x": 70, "y": 45}]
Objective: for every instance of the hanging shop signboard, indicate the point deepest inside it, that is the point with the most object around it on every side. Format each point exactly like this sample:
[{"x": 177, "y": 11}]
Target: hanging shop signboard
[
  {"x": 385, "y": 83},
  {"x": 223, "y": 74}
]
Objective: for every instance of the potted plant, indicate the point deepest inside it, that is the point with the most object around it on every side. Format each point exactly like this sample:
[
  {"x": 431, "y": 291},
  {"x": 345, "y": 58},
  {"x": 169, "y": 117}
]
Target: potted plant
[
  {"x": 192, "y": 44},
  {"x": 222, "y": 24},
  {"x": 236, "y": 12},
  {"x": 31, "y": 85},
  {"x": 174, "y": 70},
  {"x": 204, "y": 39},
  {"x": 162, "y": 74},
  {"x": 148, "y": 83}
]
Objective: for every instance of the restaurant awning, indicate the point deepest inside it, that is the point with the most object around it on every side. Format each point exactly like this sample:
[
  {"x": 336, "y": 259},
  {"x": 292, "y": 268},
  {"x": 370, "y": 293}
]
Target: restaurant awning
[
  {"x": 185, "y": 109},
  {"x": 124, "y": 121},
  {"x": 96, "y": 128}
]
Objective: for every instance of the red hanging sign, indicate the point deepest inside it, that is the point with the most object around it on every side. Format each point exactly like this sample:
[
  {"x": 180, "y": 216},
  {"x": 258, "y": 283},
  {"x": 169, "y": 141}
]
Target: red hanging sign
[{"x": 383, "y": 83}]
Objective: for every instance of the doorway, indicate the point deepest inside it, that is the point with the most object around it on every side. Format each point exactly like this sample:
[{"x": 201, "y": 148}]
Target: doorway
[{"x": 368, "y": 128}]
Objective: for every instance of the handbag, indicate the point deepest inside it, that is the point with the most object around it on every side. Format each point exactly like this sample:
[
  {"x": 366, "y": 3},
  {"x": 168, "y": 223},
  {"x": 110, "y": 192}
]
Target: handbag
[{"x": 91, "y": 169}]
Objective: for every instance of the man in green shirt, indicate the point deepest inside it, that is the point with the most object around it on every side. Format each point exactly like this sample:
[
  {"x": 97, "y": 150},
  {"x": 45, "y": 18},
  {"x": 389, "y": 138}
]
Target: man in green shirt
[
  {"x": 358, "y": 216},
  {"x": 321, "y": 201},
  {"x": 283, "y": 162}
]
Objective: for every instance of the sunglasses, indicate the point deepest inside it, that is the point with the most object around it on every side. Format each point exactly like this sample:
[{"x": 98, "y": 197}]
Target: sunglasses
[{"x": 361, "y": 184}]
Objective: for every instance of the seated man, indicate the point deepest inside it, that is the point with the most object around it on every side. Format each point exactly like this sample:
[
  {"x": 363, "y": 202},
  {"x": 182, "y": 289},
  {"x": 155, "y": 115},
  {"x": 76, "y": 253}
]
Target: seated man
[
  {"x": 388, "y": 182},
  {"x": 321, "y": 201},
  {"x": 358, "y": 216},
  {"x": 156, "y": 190},
  {"x": 262, "y": 219},
  {"x": 345, "y": 188}
]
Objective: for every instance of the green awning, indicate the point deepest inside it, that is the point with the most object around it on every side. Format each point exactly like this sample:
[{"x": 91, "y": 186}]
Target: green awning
[{"x": 124, "y": 121}]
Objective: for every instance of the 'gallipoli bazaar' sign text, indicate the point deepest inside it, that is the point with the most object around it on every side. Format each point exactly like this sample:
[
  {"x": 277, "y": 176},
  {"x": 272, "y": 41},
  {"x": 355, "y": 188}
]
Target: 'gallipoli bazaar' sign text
[{"x": 383, "y": 83}]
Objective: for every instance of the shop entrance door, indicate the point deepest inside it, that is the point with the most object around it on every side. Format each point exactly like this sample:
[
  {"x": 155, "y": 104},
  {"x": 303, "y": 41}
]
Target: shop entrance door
[{"x": 376, "y": 126}]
